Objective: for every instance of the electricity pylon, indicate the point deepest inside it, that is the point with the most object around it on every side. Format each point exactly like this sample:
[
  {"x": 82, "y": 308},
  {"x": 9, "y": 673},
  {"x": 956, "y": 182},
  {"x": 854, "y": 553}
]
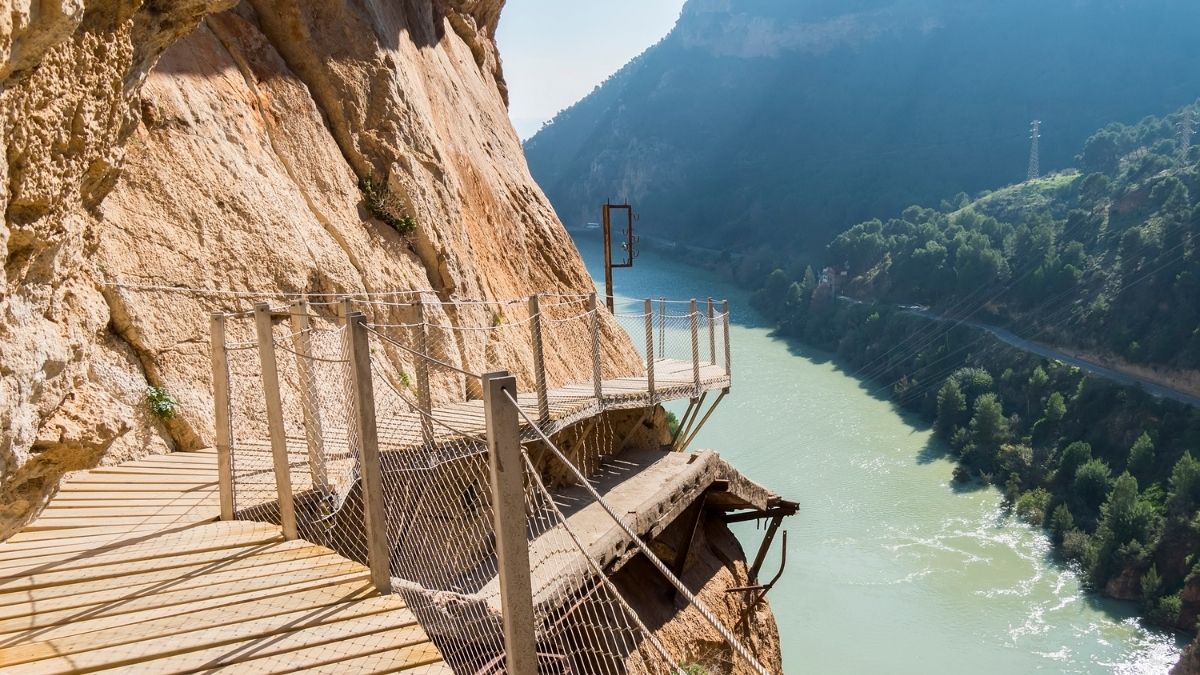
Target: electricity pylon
[
  {"x": 1035, "y": 133},
  {"x": 1186, "y": 130}
]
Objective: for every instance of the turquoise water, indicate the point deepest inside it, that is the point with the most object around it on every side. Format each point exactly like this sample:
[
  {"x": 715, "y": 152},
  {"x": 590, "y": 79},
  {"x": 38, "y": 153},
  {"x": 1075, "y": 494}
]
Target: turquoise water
[{"x": 890, "y": 568}]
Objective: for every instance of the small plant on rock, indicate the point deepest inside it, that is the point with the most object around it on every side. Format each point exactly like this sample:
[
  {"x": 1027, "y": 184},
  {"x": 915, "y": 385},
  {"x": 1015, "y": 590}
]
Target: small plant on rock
[
  {"x": 386, "y": 206},
  {"x": 161, "y": 404}
]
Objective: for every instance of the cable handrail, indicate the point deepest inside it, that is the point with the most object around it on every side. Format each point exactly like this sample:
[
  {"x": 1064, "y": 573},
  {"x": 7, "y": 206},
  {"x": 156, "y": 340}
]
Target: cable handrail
[{"x": 641, "y": 545}]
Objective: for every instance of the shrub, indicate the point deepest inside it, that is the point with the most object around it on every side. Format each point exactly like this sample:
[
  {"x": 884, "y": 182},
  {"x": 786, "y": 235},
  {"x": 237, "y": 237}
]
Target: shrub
[
  {"x": 161, "y": 404},
  {"x": 1032, "y": 506},
  {"x": 672, "y": 422},
  {"x": 1165, "y": 610},
  {"x": 1078, "y": 546},
  {"x": 386, "y": 206}
]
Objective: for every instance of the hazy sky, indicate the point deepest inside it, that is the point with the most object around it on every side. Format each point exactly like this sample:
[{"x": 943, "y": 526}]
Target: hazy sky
[{"x": 556, "y": 51}]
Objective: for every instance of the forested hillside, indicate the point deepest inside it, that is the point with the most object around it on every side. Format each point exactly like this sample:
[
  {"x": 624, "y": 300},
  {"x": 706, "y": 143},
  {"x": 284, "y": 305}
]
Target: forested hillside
[
  {"x": 1108, "y": 258},
  {"x": 1105, "y": 258},
  {"x": 774, "y": 124}
]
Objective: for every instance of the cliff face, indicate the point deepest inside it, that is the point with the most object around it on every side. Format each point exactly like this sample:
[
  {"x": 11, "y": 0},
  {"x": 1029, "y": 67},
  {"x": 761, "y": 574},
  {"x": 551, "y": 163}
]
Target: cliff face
[
  {"x": 155, "y": 148},
  {"x": 141, "y": 152}
]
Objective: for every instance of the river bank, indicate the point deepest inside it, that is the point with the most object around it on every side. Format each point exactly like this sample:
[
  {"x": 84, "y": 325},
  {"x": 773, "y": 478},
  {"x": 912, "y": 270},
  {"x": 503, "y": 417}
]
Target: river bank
[{"x": 891, "y": 567}]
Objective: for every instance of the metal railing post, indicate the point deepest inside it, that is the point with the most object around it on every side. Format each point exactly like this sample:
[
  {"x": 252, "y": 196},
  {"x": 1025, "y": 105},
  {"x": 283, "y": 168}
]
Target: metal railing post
[
  {"x": 712, "y": 332},
  {"x": 424, "y": 396},
  {"x": 649, "y": 306},
  {"x": 313, "y": 433},
  {"x": 224, "y": 429},
  {"x": 662, "y": 327},
  {"x": 374, "y": 511},
  {"x": 508, "y": 499},
  {"x": 728, "y": 352},
  {"x": 279, "y": 452},
  {"x": 695, "y": 320},
  {"x": 597, "y": 375},
  {"x": 539, "y": 363}
]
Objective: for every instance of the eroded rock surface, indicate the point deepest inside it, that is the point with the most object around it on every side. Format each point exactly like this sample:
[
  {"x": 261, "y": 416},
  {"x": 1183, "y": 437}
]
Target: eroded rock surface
[{"x": 141, "y": 152}]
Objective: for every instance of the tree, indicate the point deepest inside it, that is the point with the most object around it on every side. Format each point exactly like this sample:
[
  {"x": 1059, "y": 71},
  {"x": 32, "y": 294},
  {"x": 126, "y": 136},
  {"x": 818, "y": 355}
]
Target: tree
[
  {"x": 1101, "y": 154},
  {"x": 1056, "y": 407},
  {"x": 951, "y": 406},
  {"x": 989, "y": 427},
  {"x": 1127, "y": 527},
  {"x": 1091, "y": 484},
  {"x": 1061, "y": 522},
  {"x": 1183, "y": 495},
  {"x": 1141, "y": 455},
  {"x": 1074, "y": 456}
]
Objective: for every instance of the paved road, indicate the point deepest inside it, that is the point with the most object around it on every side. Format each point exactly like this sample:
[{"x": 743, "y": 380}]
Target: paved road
[{"x": 1152, "y": 388}]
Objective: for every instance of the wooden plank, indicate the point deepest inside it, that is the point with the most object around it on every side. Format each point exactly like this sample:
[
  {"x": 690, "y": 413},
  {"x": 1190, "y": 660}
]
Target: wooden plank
[
  {"x": 41, "y": 610},
  {"x": 139, "y": 643},
  {"x": 63, "y": 522},
  {"x": 99, "y": 510},
  {"x": 386, "y": 651},
  {"x": 131, "y": 572},
  {"x": 328, "y": 636},
  {"x": 81, "y": 630},
  {"x": 165, "y": 567}
]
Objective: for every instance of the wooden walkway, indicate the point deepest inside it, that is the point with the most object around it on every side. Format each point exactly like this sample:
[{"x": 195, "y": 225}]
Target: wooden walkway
[{"x": 126, "y": 570}]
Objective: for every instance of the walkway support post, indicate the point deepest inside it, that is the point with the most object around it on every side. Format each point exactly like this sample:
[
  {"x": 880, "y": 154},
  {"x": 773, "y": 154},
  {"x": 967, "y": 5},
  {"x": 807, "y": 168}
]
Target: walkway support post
[
  {"x": 539, "y": 362},
  {"x": 695, "y": 320},
  {"x": 649, "y": 306},
  {"x": 374, "y": 512},
  {"x": 725, "y": 321},
  {"x": 508, "y": 499},
  {"x": 224, "y": 435},
  {"x": 662, "y": 327},
  {"x": 313, "y": 433},
  {"x": 279, "y": 453},
  {"x": 597, "y": 375},
  {"x": 712, "y": 332},
  {"x": 424, "y": 396}
]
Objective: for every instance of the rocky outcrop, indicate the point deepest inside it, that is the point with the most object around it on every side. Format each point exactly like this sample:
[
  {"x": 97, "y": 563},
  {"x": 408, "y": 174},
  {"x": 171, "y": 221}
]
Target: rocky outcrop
[
  {"x": 235, "y": 159},
  {"x": 70, "y": 76}
]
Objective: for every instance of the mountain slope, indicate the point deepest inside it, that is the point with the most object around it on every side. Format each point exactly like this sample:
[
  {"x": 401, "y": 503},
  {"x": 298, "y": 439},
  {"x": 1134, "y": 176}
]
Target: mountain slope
[{"x": 775, "y": 122}]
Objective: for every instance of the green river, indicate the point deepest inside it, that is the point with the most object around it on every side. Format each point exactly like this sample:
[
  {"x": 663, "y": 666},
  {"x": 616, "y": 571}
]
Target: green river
[{"x": 890, "y": 567}]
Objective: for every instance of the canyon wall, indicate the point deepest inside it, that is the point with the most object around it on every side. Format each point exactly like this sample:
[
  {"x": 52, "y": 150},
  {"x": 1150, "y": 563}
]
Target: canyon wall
[
  {"x": 165, "y": 160},
  {"x": 153, "y": 145}
]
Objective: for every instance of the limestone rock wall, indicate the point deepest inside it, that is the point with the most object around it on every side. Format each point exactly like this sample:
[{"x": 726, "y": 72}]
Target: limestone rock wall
[{"x": 192, "y": 144}]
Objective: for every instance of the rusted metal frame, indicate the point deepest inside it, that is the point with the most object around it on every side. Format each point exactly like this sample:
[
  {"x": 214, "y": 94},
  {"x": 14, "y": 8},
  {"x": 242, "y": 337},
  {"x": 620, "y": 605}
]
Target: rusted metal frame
[
  {"x": 761, "y": 556},
  {"x": 781, "y": 511},
  {"x": 689, "y": 416},
  {"x": 761, "y": 590},
  {"x": 691, "y": 437}
]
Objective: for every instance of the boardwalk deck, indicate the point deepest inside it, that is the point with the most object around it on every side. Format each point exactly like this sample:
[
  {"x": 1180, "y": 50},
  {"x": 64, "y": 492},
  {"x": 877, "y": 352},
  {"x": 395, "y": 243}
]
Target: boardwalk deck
[{"x": 127, "y": 570}]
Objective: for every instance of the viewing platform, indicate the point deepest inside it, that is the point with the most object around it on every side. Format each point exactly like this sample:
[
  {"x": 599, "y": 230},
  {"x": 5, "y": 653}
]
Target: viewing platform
[{"x": 344, "y": 522}]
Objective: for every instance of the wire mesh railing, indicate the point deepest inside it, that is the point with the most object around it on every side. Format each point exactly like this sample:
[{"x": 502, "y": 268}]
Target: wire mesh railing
[{"x": 369, "y": 434}]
